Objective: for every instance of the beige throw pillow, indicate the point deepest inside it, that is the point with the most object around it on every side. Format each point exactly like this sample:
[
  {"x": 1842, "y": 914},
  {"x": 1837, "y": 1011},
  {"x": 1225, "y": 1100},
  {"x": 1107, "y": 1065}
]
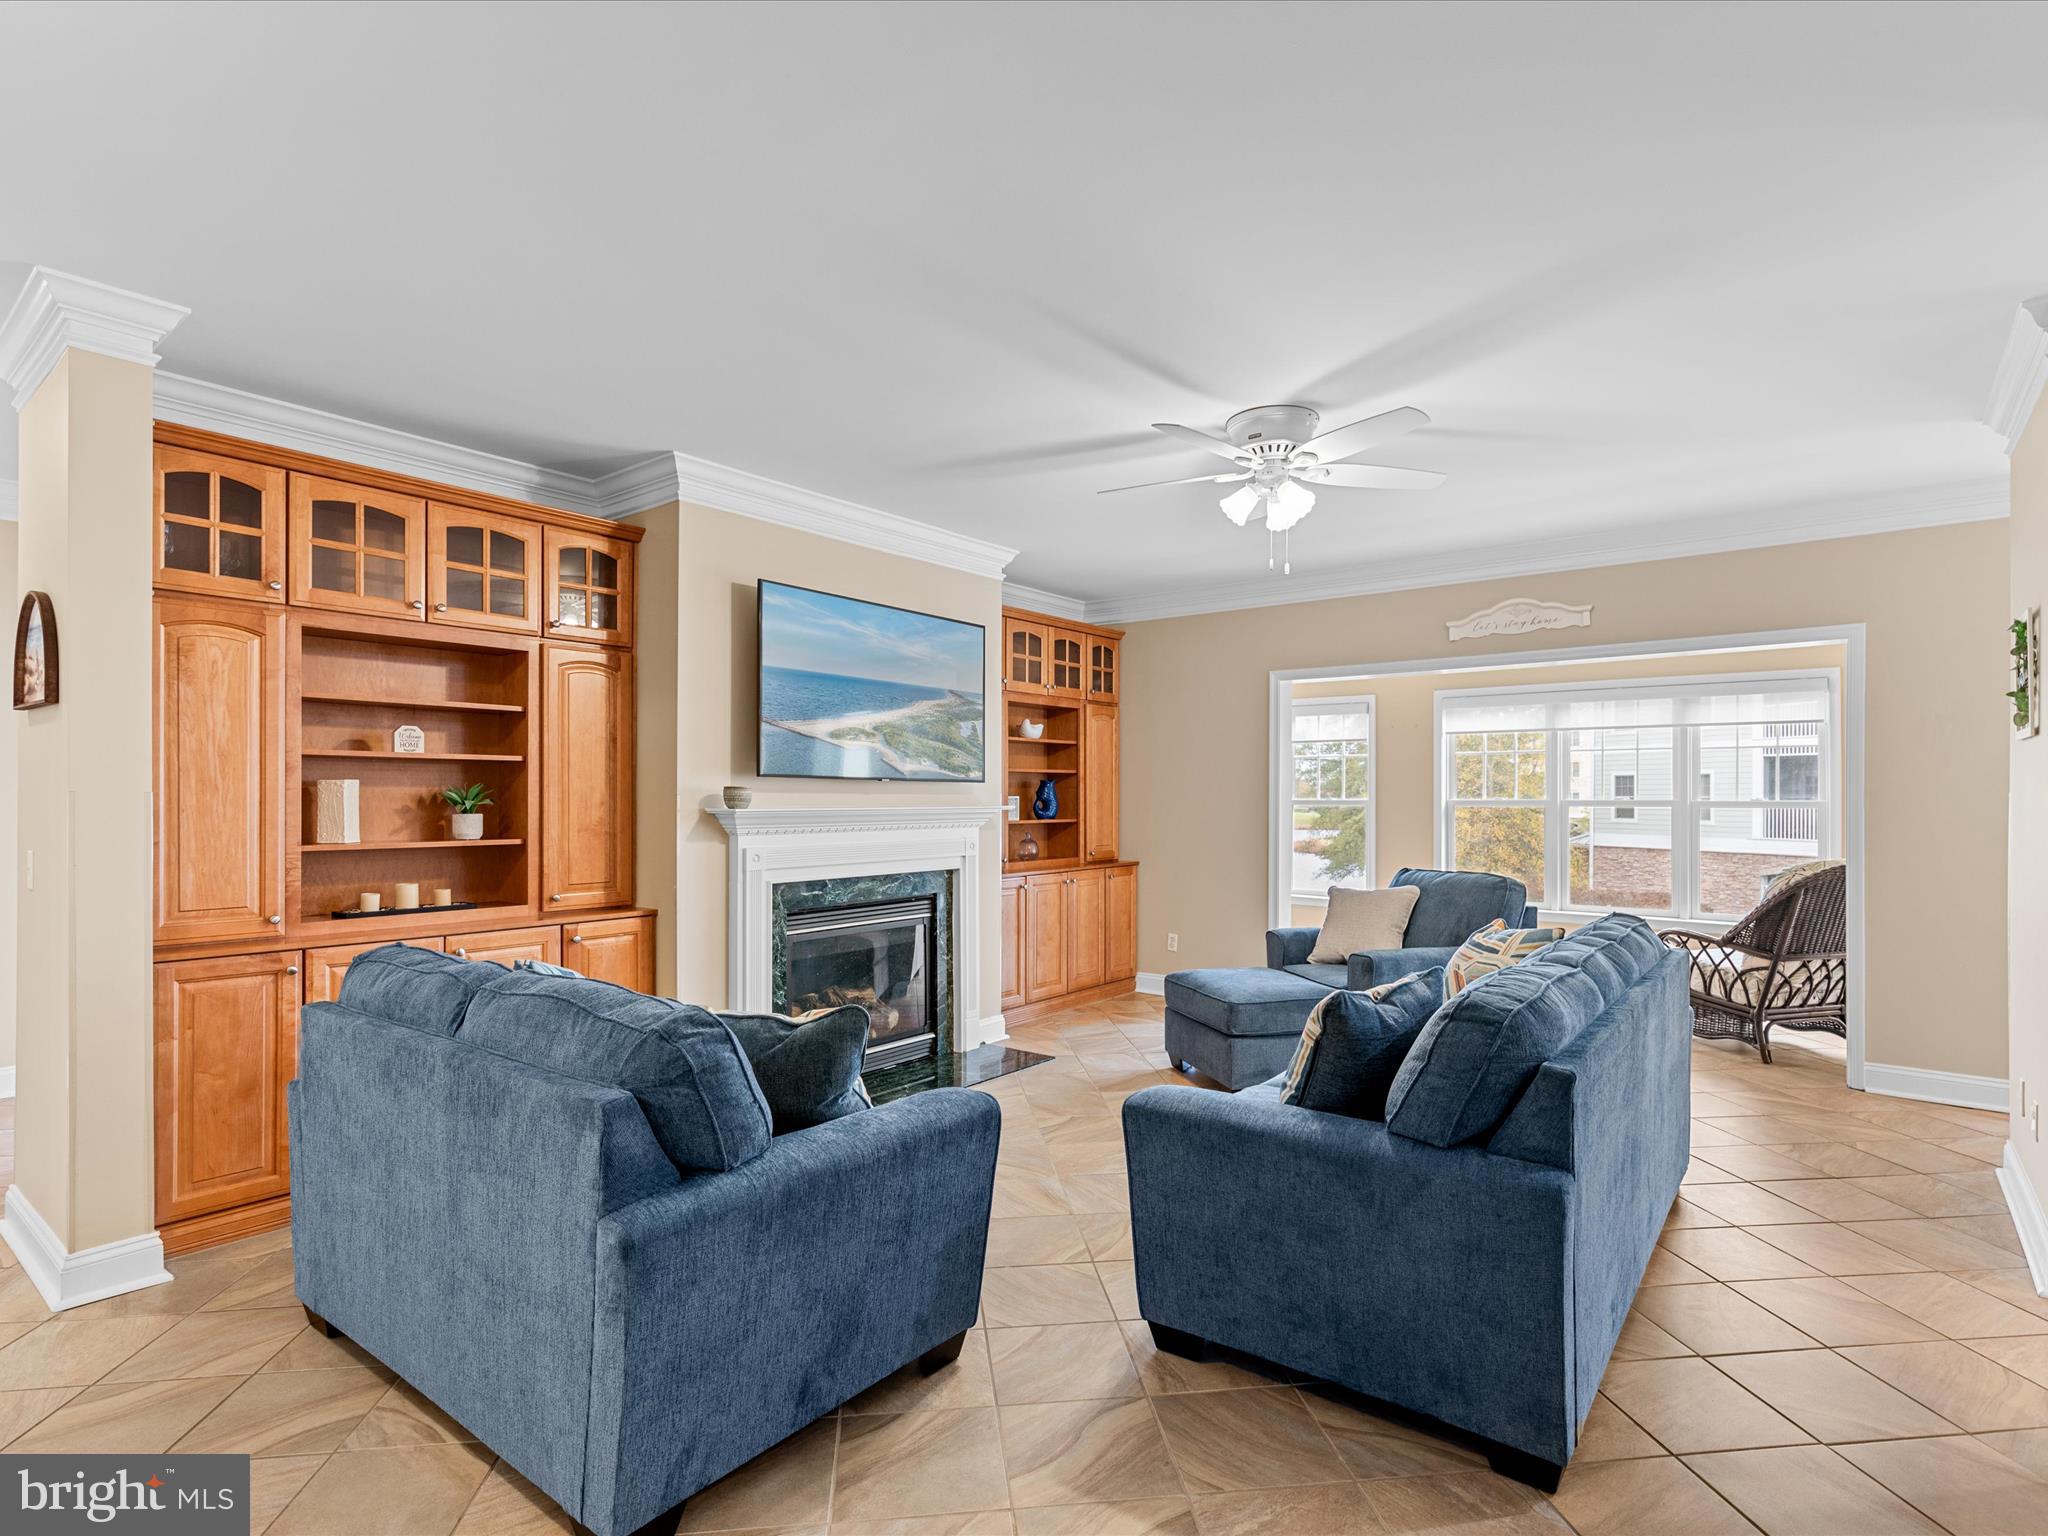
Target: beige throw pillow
[{"x": 1363, "y": 920}]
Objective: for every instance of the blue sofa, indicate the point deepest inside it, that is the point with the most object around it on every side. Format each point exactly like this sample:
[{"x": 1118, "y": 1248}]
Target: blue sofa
[
  {"x": 1473, "y": 1256},
  {"x": 1454, "y": 905},
  {"x": 517, "y": 1244}
]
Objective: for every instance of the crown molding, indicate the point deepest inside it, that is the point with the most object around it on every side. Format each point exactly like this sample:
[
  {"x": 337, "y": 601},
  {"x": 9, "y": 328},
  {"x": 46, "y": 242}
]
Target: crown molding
[
  {"x": 10, "y": 501},
  {"x": 1040, "y": 601},
  {"x": 2022, "y": 370},
  {"x": 57, "y": 312},
  {"x": 1757, "y": 528}
]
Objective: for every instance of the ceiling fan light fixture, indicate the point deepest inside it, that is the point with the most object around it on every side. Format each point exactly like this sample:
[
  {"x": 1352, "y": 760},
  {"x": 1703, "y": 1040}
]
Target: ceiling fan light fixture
[
  {"x": 1288, "y": 504},
  {"x": 1237, "y": 506}
]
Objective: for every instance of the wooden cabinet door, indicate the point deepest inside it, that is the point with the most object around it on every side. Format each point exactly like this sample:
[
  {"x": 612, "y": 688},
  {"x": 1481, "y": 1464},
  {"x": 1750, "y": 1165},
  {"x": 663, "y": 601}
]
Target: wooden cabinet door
[
  {"x": 483, "y": 570},
  {"x": 358, "y": 549},
  {"x": 1104, "y": 662},
  {"x": 1065, "y": 672},
  {"x": 586, "y": 778},
  {"x": 1087, "y": 937},
  {"x": 226, "y": 1044},
  {"x": 219, "y": 526},
  {"x": 617, "y": 949},
  {"x": 589, "y": 587},
  {"x": 1045, "y": 937},
  {"x": 506, "y": 945},
  {"x": 1120, "y": 906},
  {"x": 1013, "y": 943},
  {"x": 219, "y": 833},
  {"x": 1025, "y": 648},
  {"x": 1098, "y": 781},
  {"x": 326, "y": 967}
]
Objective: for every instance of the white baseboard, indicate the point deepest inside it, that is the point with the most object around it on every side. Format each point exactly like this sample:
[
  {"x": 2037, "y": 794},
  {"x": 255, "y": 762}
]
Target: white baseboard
[
  {"x": 2028, "y": 1216},
  {"x": 6, "y": 1082},
  {"x": 1152, "y": 983},
  {"x": 68, "y": 1279},
  {"x": 1957, "y": 1088},
  {"x": 990, "y": 1029}
]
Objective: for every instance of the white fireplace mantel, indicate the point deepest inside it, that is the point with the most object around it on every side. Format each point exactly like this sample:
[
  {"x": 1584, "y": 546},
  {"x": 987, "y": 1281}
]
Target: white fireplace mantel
[{"x": 781, "y": 845}]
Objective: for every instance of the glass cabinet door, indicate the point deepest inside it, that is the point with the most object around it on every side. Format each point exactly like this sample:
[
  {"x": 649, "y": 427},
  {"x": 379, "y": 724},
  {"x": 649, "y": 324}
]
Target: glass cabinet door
[
  {"x": 482, "y": 569},
  {"x": 589, "y": 587},
  {"x": 1102, "y": 667},
  {"x": 219, "y": 525},
  {"x": 1025, "y": 663},
  {"x": 357, "y": 548},
  {"x": 1065, "y": 676}
]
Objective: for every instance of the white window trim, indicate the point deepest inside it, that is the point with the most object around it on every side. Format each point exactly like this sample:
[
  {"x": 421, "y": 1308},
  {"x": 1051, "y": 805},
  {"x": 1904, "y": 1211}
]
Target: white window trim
[
  {"x": 1684, "y": 771},
  {"x": 1281, "y": 824}
]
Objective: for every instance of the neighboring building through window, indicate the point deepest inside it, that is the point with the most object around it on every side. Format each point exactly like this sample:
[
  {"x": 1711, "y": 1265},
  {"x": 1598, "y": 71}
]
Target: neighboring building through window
[{"x": 1330, "y": 814}]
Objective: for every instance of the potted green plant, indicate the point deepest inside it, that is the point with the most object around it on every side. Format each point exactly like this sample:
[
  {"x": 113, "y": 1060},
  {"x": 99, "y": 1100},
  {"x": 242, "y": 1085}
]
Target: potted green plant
[{"x": 467, "y": 823}]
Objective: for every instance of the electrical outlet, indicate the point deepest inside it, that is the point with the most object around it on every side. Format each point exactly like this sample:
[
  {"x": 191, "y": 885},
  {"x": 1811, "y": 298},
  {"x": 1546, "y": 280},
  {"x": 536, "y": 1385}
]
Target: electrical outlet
[{"x": 1173, "y": 943}]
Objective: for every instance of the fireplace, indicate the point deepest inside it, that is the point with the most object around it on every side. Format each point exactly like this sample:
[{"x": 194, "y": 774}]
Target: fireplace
[{"x": 883, "y": 956}]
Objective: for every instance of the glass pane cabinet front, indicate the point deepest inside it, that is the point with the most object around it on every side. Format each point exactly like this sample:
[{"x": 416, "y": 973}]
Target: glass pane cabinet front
[
  {"x": 587, "y": 590},
  {"x": 217, "y": 525}
]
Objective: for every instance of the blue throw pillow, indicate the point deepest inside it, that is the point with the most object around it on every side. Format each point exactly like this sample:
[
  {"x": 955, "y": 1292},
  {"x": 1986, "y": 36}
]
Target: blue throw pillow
[
  {"x": 420, "y": 988},
  {"x": 1354, "y": 1044},
  {"x": 683, "y": 1065},
  {"x": 542, "y": 968},
  {"x": 809, "y": 1069}
]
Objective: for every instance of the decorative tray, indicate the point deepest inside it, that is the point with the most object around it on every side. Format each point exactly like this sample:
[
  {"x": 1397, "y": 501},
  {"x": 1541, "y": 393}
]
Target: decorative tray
[{"x": 453, "y": 906}]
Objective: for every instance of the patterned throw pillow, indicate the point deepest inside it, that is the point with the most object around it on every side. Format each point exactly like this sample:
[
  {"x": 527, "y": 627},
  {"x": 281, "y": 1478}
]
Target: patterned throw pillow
[
  {"x": 1494, "y": 948},
  {"x": 1354, "y": 1043}
]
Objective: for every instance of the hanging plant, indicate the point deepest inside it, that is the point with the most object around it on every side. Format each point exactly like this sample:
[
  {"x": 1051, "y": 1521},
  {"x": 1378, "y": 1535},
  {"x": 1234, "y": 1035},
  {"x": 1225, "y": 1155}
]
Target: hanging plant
[{"x": 2026, "y": 674}]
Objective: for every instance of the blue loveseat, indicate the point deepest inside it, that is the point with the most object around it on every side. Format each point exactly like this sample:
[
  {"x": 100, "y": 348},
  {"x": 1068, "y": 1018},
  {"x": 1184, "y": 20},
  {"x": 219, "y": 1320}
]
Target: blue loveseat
[
  {"x": 1454, "y": 905},
  {"x": 520, "y": 1245},
  {"x": 1472, "y": 1256}
]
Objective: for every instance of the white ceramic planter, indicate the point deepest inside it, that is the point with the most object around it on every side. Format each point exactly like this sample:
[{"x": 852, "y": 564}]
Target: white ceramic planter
[{"x": 468, "y": 828}]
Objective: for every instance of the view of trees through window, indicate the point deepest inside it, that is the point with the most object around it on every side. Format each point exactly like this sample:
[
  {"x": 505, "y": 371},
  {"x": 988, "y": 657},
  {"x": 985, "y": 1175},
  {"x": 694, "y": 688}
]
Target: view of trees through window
[{"x": 1332, "y": 790}]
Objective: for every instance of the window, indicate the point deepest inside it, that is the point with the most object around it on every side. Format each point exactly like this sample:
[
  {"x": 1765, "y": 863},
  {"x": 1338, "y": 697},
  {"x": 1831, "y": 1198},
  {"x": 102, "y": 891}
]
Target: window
[
  {"x": 1672, "y": 799},
  {"x": 1330, "y": 811}
]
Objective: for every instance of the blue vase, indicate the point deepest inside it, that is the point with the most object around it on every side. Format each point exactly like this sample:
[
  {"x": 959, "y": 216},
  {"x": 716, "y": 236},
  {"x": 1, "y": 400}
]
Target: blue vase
[{"x": 1046, "y": 803}]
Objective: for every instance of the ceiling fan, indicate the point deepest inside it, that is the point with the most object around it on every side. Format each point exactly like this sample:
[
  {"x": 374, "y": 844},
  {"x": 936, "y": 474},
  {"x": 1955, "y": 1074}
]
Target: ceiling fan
[{"x": 1279, "y": 456}]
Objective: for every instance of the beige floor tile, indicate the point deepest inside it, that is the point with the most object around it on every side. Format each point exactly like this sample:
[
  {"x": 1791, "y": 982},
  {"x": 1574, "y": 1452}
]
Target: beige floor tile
[
  {"x": 1021, "y": 1193},
  {"x": 1749, "y": 1162},
  {"x": 1729, "y": 1253},
  {"x": 296, "y": 1413},
  {"x": 2028, "y": 1447},
  {"x": 1085, "y": 1453},
  {"x": 1715, "y": 1320},
  {"x": 1102, "y": 1193},
  {"x": 1830, "y": 1398},
  {"x": 1921, "y": 1156},
  {"x": 1163, "y": 1374},
  {"x": 1949, "y": 1306},
  {"x": 1633, "y": 1498},
  {"x": 1955, "y": 1381},
  {"x": 506, "y": 1504},
  {"x": 1128, "y": 1517},
  {"x": 1108, "y": 1235},
  {"x": 310, "y": 1351},
  {"x": 1120, "y": 1284},
  {"x": 1839, "y": 1162},
  {"x": 1684, "y": 1214},
  {"x": 1642, "y": 1339},
  {"x": 1698, "y": 1171},
  {"x": 412, "y": 1490},
  {"x": 1228, "y": 1441},
  {"x": 76, "y": 1351},
  {"x": 22, "y": 1410},
  {"x": 1836, "y": 1200},
  {"x": 1667, "y": 1268},
  {"x": 134, "y": 1418},
  {"x": 274, "y": 1481},
  {"x": 1334, "y": 1509},
  {"x": 1705, "y": 1135},
  {"x": 1018, "y": 1240},
  {"x": 196, "y": 1278},
  {"x": 966, "y": 1383},
  {"x": 1964, "y": 1485},
  {"x": 266, "y": 1283},
  {"x": 1835, "y": 1312},
  {"x": 790, "y": 1484},
  {"x": 20, "y": 1301},
  {"x": 1835, "y": 1249},
  {"x": 1933, "y": 1244},
  {"x": 1374, "y": 1445},
  {"x": 1746, "y": 1205},
  {"x": 1061, "y": 1363},
  {"x": 403, "y": 1416},
  {"x": 1041, "y": 1294},
  {"x": 893, "y": 1466},
  {"x": 2028, "y": 1356},
  {"x": 2008, "y": 1284},
  {"x": 1924, "y": 1195},
  {"x": 1460, "y": 1504},
  {"x": 1808, "y": 1491},
  {"x": 1690, "y": 1406},
  {"x": 1611, "y": 1435},
  {"x": 1895, "y": 1119},
  {"x": 1996, "y": 1229},
  {"x": 211, "y": 1344}
]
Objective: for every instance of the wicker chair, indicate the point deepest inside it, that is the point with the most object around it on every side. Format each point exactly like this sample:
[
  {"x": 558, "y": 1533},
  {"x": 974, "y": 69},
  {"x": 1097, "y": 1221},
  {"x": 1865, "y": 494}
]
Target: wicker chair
[{"x": 1786, "y": 963}]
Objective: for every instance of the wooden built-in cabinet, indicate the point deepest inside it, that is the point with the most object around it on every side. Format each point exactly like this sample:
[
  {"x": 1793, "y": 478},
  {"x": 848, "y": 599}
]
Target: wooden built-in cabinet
[
  {"x": 1068, "y": 937},
  {"x": 306, "y": 611}
]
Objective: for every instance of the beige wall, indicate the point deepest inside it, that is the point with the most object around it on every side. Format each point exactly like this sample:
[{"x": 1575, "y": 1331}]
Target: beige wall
[
  {"x": 1195, "y": 705},
  {"x": 83, "y": 1151},
  {"x": 2027, "y": 891},
  {"x": 10, "y": 868},
  {"x": 657, "y": 812},
  {"x": 1404, "y": 732},
  {"x": 718, "y": 558}
]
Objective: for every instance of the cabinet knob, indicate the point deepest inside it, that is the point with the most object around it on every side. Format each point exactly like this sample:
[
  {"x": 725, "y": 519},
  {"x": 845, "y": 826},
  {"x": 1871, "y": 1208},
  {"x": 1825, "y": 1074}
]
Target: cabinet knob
[
  {"x": 556, "y": 897},
  {"x": 275, "y": 919},
  {"x": 462, "y": 954},
  {"x": 291, "y": 970},
  {"x": 440, "y": 607},
  {"x": 575, "y": 938},
  {"x": 277, "y": 586},
  {"x": 418, "y": 603}
]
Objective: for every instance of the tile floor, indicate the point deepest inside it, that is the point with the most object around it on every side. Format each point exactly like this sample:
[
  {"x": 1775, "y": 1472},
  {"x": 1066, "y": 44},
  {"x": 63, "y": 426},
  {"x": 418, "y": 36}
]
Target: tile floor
[{"x": 1836, "y": 1338}]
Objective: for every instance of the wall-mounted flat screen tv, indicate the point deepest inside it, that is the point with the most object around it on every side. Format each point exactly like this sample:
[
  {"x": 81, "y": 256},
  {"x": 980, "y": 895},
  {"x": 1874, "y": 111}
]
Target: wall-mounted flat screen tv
[{"x": 858, "y": 690}]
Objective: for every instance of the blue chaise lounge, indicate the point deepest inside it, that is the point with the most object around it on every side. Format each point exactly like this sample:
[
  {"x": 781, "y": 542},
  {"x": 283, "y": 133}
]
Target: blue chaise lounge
[
  {"x": 1454, "y": 905},
  {"x": 1471, "y": 1257},
  {"x": 478, "y": 1206}
]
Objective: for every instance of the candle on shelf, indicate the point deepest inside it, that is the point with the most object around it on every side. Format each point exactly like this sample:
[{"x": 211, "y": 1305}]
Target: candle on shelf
[
  {"x": 443, "y": 897},
  {"x": 369, "y": 901},
  {"x": 408, "y": 894}
]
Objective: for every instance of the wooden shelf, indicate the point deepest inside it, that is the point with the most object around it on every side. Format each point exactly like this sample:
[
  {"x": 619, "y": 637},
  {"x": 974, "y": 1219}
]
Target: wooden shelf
[
  {"x": 1045, "y": 821},
  {"x": 452, "y": 842},
  {"x": 417, "y": 757},
  {"x": 385, "y": 703},
  {"x": 1043, "y": 773},
  {"x": 1044, "y": 741}
]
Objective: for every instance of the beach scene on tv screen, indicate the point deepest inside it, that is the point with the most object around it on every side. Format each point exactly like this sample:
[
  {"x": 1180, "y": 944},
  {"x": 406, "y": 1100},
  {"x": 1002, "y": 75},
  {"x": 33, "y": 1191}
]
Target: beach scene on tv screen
[{"x": 854, "y": 690}]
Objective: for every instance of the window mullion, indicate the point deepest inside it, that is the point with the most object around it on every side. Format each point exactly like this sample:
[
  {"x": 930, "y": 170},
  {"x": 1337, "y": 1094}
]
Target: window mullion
[
  {"x": 1684, "y": 813},
  {"x": 1556, "y": 822}
]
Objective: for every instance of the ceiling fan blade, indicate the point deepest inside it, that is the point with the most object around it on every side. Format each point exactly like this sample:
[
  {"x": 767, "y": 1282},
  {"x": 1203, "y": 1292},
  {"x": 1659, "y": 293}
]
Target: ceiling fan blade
[
  {"x": 1360, "y": 435},
  {"x": 1190, "y": 480},
  {"x": 1375, "y": 477},
  {"x": 1218, "y": 445}
]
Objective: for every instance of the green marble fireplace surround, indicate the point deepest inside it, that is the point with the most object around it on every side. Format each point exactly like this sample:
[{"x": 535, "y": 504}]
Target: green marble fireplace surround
[{"x": 865, "y": 890}]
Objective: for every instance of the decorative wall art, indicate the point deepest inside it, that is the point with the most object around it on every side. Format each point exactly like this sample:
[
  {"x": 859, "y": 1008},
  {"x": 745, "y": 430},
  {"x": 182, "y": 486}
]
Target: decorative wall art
[
  {"x": 35, "y": 653},
  {"x": 409, "y": 739},
  {"x": 2026, "y": 675},
  {"x": 1520, "y": 616}
]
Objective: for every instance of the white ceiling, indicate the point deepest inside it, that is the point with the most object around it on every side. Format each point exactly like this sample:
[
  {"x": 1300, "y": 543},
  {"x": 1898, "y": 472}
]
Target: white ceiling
[{"x": 1650, "y": 268}]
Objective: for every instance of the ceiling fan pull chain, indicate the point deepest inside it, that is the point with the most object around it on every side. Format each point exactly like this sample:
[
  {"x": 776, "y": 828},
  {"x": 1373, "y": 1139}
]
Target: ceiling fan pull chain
[
  {"x": 1269, "y": 547},
  {"x": 1287, "y": 547}
]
